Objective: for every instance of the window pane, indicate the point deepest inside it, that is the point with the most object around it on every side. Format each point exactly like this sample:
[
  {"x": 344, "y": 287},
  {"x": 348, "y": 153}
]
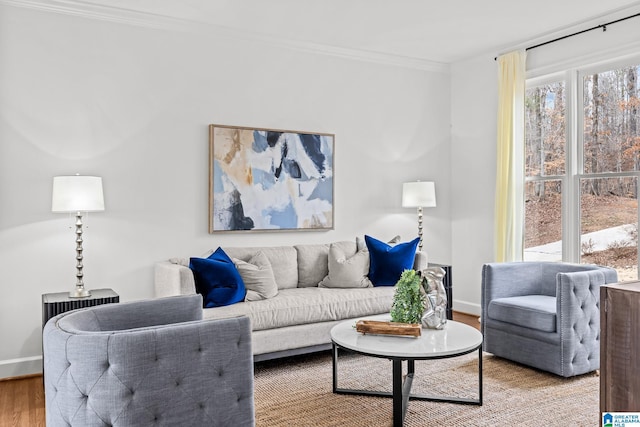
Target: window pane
[
  {"x": 543, "y": 221},
  {"x": 609, "y": 224},
  {"x": 545, "y": 130},
  {"x": 611, "y": 106}
]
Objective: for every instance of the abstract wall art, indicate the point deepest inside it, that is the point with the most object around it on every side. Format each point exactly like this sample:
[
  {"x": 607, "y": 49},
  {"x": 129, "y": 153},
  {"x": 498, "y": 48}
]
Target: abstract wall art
[{"x": 267, "y": 180}]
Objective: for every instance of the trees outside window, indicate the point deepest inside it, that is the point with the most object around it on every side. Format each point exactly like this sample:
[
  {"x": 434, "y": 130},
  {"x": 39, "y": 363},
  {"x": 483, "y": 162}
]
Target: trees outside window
[{"x": 582, "y": 162}]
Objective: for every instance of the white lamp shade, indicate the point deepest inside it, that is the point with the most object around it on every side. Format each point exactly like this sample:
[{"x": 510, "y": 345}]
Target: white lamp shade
[
  {"x": 77, "y": 193},
  {"x": 418, "y": 194}
]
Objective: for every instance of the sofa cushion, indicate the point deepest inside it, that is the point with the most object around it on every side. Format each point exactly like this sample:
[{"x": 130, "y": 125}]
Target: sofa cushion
[
  {"x": 257, "y": 276},
  {"x": 283, "y": 260},
  {"x": 388, "y": 262},
  {"x": 312, "y": 264},
  {"x": 346, "y": 271},
  {"x": 313, "y": 261},
  {"x": 217, "y": 279},
  {"x": 308, "y": 305},
  {"x": 531, "y": 311}
]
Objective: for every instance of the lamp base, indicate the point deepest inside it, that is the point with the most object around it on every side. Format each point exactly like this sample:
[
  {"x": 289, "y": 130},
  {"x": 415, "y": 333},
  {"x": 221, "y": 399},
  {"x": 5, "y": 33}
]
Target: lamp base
[{"x": 79, "y": 293}]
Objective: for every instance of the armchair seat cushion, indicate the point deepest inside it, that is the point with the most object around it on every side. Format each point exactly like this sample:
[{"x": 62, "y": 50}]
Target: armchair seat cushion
[{"x": 531, "y": 311}]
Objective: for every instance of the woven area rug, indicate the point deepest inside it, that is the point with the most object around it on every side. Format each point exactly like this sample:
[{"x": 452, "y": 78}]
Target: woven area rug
[{"x": 297, "y": 392}]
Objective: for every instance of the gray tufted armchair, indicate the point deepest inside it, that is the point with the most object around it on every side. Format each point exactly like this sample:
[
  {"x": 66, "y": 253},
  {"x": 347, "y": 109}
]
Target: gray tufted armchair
[
  {"x": 544, "y": 314},
  {"x": 148, "y": 363}
]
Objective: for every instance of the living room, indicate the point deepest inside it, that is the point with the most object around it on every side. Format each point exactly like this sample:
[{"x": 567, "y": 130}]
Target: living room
[{"x": 101, "y": 89}]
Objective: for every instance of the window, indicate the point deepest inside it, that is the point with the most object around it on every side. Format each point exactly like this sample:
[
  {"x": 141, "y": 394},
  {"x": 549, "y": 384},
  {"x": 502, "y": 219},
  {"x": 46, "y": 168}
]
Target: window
[
  {"x": 545, "y": 160},
  {"x": 582, "y": 164}
]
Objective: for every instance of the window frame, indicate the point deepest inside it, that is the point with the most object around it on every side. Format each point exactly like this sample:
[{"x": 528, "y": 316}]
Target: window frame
[
  {"x": 573, "y": 79},
  {"x": 565, "y": 180}
]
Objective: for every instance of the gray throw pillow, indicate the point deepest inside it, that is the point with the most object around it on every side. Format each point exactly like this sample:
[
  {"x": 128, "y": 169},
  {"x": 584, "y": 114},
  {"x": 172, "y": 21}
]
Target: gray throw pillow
[
  {"x": 257, "y": 275},
  {"x": 346, "y": 272},
  {"x": 362, "y": 246}
]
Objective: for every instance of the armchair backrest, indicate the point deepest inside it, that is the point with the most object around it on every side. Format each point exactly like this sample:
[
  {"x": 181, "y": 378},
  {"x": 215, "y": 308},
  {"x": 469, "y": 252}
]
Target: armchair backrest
[
  {"x": 146, "y": 313},
  {"x": 533, "y": 277},
  {"x": 169, "y": 368}
]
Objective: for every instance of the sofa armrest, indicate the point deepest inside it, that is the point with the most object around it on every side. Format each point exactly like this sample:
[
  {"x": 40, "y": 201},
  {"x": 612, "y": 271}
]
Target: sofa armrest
[{"x": 173, "y": 279}]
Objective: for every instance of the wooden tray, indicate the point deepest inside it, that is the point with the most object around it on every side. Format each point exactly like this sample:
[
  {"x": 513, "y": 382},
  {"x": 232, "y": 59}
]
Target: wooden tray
[{"x": 388, "y": 328}]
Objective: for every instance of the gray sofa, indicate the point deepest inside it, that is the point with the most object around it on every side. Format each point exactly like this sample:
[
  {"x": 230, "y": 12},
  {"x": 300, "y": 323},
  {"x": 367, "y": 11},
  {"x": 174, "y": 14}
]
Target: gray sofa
[
  {"x": 298, "y": 319},
  {"x": 544, "y": 314},
  {"x": 148, "y": 363}
]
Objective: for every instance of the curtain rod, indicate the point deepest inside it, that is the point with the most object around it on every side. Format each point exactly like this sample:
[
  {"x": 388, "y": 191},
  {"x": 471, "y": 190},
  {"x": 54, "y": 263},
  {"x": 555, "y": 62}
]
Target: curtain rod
[{"x": 603, "y": 26}]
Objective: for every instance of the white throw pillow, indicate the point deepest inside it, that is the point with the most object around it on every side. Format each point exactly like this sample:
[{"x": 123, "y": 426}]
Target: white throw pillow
[
  {"x": 257, "y": 275},
  {"x": 346, "y": 272}
]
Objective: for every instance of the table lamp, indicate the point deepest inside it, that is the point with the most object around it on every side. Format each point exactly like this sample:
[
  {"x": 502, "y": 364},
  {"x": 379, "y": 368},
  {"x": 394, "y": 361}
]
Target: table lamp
[
  {"x": 419, "y": 194},
  {"x": 77, "y": 194}
]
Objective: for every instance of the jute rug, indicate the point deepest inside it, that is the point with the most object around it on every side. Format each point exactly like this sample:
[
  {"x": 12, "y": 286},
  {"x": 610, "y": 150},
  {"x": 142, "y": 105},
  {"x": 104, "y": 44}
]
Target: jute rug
[{"x": 297, "y": 392}]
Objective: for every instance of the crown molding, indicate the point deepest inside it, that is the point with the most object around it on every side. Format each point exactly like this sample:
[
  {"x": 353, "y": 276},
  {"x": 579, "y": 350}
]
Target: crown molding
[{"x": 89, "y": 10}]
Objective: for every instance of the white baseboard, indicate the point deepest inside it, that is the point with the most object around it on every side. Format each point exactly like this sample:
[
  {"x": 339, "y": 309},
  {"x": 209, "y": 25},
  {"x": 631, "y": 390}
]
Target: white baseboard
[
  {"x": 19, "y": 367},
  {"x": 467, "y": 307}
]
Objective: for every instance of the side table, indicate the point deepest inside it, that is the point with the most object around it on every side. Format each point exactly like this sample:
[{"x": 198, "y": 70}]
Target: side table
[
  {"x": 447, "y": 281},
  {"x": 60, "y": 302}
]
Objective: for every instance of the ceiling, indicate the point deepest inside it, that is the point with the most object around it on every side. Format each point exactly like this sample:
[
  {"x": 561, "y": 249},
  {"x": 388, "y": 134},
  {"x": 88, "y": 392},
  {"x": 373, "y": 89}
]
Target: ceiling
[{"x": 435, "y": 31}]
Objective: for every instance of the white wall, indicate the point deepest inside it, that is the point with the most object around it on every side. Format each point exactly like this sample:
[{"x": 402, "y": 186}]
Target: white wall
[
  {"x": 473, "y": 140},
  {"x": 132, "y": 105},
  {"x": 473, "y": 136}
]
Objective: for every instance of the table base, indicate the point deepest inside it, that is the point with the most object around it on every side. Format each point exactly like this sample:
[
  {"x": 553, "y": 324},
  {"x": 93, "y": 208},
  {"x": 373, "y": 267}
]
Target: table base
[{"x": 401, "y": 393}]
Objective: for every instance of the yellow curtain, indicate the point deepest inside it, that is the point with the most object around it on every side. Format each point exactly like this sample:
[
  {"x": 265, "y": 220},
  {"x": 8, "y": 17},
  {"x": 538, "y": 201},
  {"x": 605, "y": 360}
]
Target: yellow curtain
[{"x": 509, "y": 215}]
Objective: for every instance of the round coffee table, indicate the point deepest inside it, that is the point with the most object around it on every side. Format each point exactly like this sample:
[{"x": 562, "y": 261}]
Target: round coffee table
[{"x": 456, "y": 339}]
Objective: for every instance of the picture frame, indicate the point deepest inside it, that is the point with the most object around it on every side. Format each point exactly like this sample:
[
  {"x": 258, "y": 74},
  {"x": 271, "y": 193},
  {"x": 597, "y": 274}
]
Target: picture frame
[{"x": 270, "y": 180}]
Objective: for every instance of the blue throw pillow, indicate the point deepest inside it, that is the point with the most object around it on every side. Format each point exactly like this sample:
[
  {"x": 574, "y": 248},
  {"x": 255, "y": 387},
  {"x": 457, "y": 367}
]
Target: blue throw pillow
[
  {"x": 388, "y": 262},
  {"x": 217, "y": 280}
]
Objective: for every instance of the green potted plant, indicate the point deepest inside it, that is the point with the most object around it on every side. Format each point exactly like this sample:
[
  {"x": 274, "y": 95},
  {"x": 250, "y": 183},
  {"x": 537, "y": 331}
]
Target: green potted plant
[{"x": 408, "y": 301}]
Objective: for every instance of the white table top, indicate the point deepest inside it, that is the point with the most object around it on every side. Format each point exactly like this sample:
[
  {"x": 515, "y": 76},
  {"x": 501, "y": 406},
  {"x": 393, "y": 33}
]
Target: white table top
[{"x": 456, "y": 338}]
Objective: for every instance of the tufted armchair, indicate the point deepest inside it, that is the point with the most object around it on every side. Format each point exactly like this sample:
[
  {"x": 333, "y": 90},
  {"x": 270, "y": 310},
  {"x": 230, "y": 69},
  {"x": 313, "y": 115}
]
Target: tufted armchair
[
  {"x": 148, "y": 363},
  {"x": 544, "y": 314}
]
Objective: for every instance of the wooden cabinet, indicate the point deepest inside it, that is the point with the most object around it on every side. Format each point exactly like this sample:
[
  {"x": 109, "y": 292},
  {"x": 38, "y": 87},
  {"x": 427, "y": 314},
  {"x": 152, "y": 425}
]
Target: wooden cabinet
[{"x": 620, "y": 347}]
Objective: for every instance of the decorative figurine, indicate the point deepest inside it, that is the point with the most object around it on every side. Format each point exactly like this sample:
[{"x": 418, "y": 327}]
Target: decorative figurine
[{"x": 435, "y": 313}]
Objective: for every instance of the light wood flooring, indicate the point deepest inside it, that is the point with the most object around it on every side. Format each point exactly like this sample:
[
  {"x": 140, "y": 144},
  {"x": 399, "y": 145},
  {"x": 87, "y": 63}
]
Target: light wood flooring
[
  {"x": 22, "y": 399},
  {"x": 22, "y": 402}
]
